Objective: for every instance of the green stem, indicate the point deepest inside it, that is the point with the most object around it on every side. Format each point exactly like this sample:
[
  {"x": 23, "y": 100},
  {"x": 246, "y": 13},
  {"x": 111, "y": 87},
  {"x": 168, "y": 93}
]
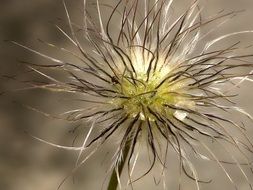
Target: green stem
[{"x": 113, "y": 183}]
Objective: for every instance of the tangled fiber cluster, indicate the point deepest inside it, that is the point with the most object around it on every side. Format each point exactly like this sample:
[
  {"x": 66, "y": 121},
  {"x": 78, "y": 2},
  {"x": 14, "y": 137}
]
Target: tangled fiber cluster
[{"x": 152, "y": 81}]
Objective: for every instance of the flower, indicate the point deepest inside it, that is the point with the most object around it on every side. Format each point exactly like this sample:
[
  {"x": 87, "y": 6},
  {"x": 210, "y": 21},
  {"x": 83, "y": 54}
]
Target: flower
[{"x": 149, "y": 82}]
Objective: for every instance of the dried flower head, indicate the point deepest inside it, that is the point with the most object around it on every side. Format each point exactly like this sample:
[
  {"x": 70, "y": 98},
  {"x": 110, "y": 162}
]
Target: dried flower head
[{"x": 148, "y": 79}]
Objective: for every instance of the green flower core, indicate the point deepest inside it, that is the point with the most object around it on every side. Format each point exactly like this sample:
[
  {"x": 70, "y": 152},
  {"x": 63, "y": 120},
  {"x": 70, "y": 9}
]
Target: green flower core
[{"x": 156, "y": 94}]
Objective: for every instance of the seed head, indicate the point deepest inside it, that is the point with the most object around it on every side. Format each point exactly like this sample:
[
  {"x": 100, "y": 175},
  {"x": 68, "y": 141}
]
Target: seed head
[{"x": 147, "y": 75}]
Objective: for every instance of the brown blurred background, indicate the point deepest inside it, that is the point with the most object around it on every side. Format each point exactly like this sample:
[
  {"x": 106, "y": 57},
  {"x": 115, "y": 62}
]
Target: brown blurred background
[{"x": 26, "y": 164}]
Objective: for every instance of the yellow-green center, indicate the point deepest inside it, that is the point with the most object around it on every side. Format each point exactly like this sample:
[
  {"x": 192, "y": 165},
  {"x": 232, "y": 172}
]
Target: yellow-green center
[{"x": 143, "y": 95}]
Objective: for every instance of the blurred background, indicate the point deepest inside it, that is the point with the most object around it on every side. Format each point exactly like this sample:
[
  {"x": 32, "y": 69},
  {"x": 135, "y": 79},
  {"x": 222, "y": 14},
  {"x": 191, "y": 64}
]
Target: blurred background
[{"x": 25, "y": 163}]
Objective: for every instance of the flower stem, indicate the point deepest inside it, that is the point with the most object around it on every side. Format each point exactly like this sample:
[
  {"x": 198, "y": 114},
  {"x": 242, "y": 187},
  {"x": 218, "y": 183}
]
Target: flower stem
[{"x": 113, "y": 183}]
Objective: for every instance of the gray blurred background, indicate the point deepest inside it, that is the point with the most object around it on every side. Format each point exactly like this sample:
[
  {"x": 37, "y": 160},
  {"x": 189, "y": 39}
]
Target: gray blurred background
[{"x": 26, "y": 164}]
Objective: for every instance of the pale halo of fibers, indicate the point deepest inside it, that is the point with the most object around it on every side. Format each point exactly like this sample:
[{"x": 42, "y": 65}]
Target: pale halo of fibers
[{"x": 148, "y": 86}]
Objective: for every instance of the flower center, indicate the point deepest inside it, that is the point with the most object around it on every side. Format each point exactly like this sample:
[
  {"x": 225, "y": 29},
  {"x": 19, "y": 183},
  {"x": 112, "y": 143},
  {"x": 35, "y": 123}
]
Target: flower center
[{"x": 158, "y": 94}]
